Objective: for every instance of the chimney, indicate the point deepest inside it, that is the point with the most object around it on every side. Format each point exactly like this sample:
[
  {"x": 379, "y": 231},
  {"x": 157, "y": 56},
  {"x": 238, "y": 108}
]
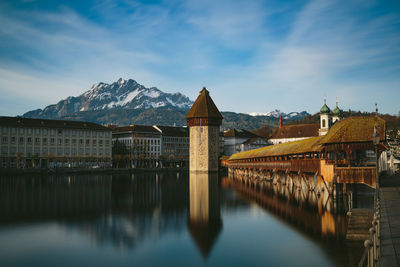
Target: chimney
[{"x": 280, "y": 122}]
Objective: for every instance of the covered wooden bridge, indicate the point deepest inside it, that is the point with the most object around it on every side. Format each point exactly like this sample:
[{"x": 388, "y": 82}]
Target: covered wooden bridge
[{"x": 345, "y": 155}]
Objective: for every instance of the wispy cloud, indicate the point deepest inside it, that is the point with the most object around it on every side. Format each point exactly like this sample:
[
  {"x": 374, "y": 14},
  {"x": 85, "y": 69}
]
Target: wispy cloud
[{"x": 254, "y": 55}]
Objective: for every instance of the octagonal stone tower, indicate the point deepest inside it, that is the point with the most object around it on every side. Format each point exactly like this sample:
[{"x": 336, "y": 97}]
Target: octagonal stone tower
[{"x": 204, "y": 120}]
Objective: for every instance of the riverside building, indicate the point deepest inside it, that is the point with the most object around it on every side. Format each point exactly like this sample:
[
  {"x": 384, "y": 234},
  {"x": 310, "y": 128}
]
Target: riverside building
[
  {"x": 26, "y": 143},
  {"x": 151, "y": 146}
]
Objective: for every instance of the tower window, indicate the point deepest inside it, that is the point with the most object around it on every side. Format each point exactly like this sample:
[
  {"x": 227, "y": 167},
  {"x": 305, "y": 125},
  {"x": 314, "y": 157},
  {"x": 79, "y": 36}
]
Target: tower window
[{"x": 323, "y": 124}]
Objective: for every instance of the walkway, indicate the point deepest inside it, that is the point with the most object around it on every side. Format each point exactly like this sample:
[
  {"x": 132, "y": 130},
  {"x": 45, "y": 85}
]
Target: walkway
[{"x": 390, "y": 226}]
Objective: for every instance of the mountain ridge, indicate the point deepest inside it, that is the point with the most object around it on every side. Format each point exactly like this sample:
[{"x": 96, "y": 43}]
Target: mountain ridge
[{"x": 127, "y": 102}]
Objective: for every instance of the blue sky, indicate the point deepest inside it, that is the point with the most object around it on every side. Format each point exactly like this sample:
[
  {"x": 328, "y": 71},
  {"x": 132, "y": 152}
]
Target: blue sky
[{"x": 253, "y": 56}]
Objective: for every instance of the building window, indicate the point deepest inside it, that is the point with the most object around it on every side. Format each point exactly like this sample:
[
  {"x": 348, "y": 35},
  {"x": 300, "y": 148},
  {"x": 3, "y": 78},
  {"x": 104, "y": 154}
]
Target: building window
[
  {"x": 73, "y": 141},
  {"x": 52, "y": 150},
  {"x": 81, "y": 141},
  {"x": 21, "y": 149},
  {"x": 36, "y": 151},
  {"x": 107, "y": 134},
  {"x": 59, "y": 151},
  {"x": 4, "y": 150},
  {"x": 59, "y": 132},
  {"x": 87, "y": 142},
  {"x": 94, "y": 142},
  {"x": 87, "y": 133},
  {"x": 37, "y": 140},
  {"x": 80, "y": 133},
  {"x": 59, "y": 141},
  {"x": 13, "y": 131},
  {"x": 44, "y": 140},
  {"x": 4, "y": 139},
  {"x": 37, "y": 131},
  {"x": 323, "y": 124},
  {"x": 21, "y": 130},
  {"x": 4, "y": 130},
  {"x": 87, "y": 152},
  {"x": 107, "y": 142},
  {"x": 66, "y": 150},
  {"x": 101, "y": 134},
  {"x": 67, "y": 141},
  {"x": 29, "y": 140},
  {"x": 94, "y": 133},
  {"x": 29, "y": 151},
  {"x": 101, "y": 142},
  {"x": 52, "y": 131},
  {"x": 66, "y": 132},
  {"x": 13, "y": 140},
  {"x": 44, "y": 151},
  {"x": 81, "y": 151},
  {"x": 44, "y": 131},
  {"x": 52, "y": 140},
  {"x": 73, "y": 132}
]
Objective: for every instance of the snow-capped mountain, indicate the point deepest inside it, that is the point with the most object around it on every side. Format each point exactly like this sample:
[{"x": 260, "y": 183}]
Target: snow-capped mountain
[
  {"x": 123, "y": 94},
  {"x": 277, "y": 113}
]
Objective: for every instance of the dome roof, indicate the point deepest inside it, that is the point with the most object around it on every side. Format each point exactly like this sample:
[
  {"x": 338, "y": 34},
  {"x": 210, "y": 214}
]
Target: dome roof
[
  {"x": 337, "y": 111},
  {"x": 325, "y": 109}
]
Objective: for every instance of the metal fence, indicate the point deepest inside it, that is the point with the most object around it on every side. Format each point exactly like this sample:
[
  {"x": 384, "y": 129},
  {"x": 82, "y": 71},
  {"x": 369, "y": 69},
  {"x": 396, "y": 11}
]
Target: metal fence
[{"x": 372, "y": 246}]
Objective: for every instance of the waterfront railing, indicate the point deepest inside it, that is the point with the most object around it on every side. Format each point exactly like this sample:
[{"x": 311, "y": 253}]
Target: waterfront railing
[{"x": 372, "y": 251}]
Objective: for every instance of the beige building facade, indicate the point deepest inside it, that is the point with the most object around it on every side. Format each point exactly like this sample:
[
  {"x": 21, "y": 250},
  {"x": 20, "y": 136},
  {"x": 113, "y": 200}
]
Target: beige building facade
[{"x": 26, "y": 143}]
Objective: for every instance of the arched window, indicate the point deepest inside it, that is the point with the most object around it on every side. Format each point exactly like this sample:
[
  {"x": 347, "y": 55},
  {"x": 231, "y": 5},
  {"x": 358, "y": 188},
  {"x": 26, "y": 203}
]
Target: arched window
[{"x": 323, "y": 124}]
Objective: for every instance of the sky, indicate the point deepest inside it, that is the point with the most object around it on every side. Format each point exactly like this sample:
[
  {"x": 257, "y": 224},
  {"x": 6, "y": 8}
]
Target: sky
[{"x": 253, "y": 56}]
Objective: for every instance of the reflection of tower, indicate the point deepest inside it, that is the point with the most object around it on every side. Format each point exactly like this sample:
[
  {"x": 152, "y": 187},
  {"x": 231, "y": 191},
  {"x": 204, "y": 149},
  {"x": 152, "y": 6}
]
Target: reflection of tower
[
  {"x": 205, "y": 220},
  {"x": 204, "y": 120}
]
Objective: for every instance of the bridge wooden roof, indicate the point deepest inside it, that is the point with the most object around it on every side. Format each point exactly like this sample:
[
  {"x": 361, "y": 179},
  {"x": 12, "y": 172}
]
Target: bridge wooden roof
[
  {"x": 350, "y": 130},
  {"x": 297, "y": 147},
  {"x": 355, "y": 129}
]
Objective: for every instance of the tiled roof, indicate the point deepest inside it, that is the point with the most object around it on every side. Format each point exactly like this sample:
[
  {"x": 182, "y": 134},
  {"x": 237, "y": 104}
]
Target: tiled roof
[
  {"x": 350, "y": 130},
  {"x": 296, "y": 131},
  {"x": 44, "y": 123},
  {"x": 204, "y": 107},
  {"x": 174, "y": 131},
  {"x": 297, "y": 147},
  {"x": 239, "y": 133},
  {"x": 355, "y": 129},
  {"x": 136, "y": 128}
]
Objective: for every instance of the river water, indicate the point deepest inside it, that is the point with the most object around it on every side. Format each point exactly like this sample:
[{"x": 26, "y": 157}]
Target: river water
[{"x": 168, "y": 219}]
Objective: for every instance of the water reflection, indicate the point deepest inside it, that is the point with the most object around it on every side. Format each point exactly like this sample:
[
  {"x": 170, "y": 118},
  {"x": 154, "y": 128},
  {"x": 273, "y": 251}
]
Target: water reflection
[
  {"x": 194, "y": 216},
  {"x": 312, "y": 213},
  {"x": 205, "y": 222}
]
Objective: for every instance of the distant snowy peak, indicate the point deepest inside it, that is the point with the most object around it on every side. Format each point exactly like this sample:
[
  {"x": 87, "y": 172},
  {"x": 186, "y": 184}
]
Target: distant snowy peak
[
  {"x": 277, "y": 113},
  {"x": 126, "y": 94}
]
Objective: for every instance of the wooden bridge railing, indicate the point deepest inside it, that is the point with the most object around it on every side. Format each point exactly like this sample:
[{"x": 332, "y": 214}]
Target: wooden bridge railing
[
  {"x": 359, "y": 175},
  {"x": 293, "y": 165}
]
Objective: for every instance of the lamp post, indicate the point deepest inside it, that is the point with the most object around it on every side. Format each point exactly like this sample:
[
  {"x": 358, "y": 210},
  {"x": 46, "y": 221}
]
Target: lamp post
[{"x": 375, "y": 141}]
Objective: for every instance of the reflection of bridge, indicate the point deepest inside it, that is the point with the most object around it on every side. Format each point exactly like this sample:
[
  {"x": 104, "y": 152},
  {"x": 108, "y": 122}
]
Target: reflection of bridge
[
  {"x": 302, "y": 209},
  {"x": 317, "y": 163}
]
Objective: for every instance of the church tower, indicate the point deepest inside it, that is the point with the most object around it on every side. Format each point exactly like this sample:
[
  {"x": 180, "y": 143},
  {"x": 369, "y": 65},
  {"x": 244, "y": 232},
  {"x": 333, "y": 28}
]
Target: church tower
[
  {"x": 336, "y": 113},
  {"x": 325, "y": 119},
  {"x": 204, "y": 120}
]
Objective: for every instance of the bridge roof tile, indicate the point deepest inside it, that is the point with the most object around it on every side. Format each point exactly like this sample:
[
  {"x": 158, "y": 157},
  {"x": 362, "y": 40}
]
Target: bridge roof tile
[{"x": 350, "y": 130}]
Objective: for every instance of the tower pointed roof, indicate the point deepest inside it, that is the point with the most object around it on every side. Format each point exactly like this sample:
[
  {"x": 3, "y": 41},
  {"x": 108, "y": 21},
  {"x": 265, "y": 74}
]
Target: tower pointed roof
[{"x": 204, "y": 107}]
